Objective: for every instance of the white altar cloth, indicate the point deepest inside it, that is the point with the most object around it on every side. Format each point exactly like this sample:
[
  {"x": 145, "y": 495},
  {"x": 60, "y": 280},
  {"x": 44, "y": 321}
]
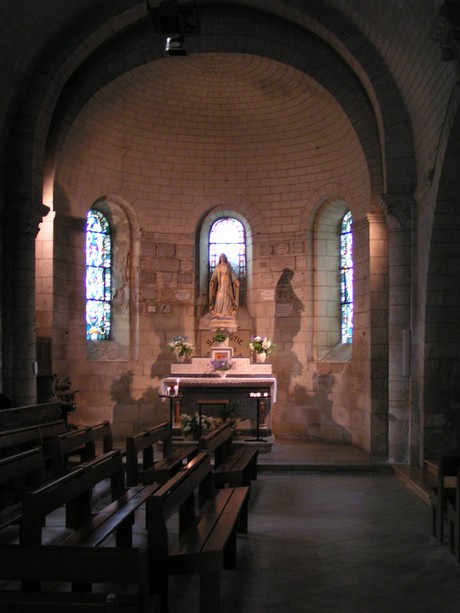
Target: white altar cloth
[{"x": 216, "y": 381}]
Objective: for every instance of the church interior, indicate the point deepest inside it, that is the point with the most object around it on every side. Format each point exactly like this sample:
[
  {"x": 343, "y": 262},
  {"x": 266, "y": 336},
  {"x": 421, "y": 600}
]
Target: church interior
[{"x": 316, "y": 144}]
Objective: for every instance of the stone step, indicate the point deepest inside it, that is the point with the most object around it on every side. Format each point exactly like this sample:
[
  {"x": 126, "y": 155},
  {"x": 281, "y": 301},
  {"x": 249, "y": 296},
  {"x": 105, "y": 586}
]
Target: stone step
[{"x": 418, "y": 480}]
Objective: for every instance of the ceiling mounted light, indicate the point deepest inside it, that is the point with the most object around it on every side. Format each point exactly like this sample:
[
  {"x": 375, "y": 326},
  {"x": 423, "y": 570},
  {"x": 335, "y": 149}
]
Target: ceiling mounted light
[{"x": 175, "y": 45}]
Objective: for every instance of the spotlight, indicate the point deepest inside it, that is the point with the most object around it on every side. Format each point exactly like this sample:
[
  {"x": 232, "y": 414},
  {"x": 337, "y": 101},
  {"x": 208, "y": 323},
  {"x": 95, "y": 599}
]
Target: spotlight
[{"x": 175, "y": 45}]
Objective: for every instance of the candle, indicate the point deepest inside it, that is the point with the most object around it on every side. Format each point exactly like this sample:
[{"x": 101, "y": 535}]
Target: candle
[
  {"x": 176, "y": 390},
  {"x": 177, "y": 387}
]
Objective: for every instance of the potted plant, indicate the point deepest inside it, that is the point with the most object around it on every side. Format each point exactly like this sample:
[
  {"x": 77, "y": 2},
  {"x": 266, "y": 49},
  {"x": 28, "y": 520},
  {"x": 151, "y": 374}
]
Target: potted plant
[
  {"x": 221, "y": 337},
  {"x": 62, "y": 392}
]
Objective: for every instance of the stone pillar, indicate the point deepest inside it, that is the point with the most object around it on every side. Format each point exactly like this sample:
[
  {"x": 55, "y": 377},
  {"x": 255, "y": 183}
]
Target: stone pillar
[
  {"x": 378, "y": 304},
  {"x": 24, "y": 228},
  {"x": 398, "y": 209}
]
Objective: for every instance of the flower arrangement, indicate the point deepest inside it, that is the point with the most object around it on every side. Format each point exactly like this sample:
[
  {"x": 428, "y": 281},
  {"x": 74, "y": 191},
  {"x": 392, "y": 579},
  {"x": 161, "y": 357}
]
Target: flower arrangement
[
  {"x": 189, "y": 424},
  {"x": 261, "y": 344},
  {"x": 222, "y": 364},
  {"x": 181, "y": 346}
]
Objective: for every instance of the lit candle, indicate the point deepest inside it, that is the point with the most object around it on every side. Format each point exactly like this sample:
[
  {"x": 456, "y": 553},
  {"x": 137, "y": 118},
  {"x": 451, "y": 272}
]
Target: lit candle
[
  {"x": 177, "y": 387},
  {"x": 176, "y": 390}
]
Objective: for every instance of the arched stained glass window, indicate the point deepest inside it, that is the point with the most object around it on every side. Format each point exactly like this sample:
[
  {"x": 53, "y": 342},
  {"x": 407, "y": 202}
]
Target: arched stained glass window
[
  {"x": 227, "y": 236},
  {"x": 98, "y": 276},
  {"x": 346, "y": 278}
]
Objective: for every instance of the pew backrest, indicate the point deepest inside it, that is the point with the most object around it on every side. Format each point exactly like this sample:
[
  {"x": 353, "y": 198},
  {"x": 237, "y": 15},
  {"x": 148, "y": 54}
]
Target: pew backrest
[
  {"x": 75, "y": 442},
  {"x": 30, "y": 415},
  {"x": 74, "y": 491},
  {"x": 144, "y": 444},
  {"x": 19, "y": 439},
  {"x": 17, "y": 473},
  {"x": 219, "y": 442},
  {"x": 51, "y": 564}
]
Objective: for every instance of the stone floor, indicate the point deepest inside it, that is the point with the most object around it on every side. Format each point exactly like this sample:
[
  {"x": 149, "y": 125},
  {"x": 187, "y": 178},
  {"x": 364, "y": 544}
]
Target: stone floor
[
  {"x": 332, "y": 532},
  {"x": 329, "y": 531}
]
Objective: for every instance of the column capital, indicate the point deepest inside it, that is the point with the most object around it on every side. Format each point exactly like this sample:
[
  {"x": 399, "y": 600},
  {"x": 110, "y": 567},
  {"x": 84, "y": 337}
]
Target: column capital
[
  {"x": 398, "y": 210},
  {"x": 29, "y": 216}
]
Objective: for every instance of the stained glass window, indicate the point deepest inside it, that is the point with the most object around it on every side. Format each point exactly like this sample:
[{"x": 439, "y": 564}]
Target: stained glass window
[
  {"x": 227, "y": 236},
  {"x": 98, "y": 276},
  {"x": 346, "y": 279}
]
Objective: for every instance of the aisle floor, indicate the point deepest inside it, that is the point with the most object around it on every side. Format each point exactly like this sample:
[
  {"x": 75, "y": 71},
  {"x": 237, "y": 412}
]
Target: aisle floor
[{"x": 328, "y": 533}]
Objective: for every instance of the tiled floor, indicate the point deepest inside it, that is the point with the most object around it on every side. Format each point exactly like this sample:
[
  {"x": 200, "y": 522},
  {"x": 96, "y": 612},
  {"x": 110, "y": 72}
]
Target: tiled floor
[{"x": 354, "y": 541}]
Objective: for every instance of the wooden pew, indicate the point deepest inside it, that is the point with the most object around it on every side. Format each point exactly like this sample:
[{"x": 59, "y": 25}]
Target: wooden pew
[
  {"x": 22, "y": 439},
  {"x": 116, "y": 567},
  {"x": 441, "y": 493},
  {"x": 72, "y": 491},
  {"x": 86, "y": 442},
  {"x": 103, "y": 438},
  {"x": 30, "y": 415},
  {"x": 17, "y": 473},
  {"x": 150, "y": 470},
  {"x": 208, "y": 523},
  {"x": 48, "y": 432},
  {"x": 91, "y": 526},
  {"x": 232, "y": 466},
  {"x": 79, "y": 443},
  {"x": 453, "y": 520},
  {"x": 19, "y": 439}
]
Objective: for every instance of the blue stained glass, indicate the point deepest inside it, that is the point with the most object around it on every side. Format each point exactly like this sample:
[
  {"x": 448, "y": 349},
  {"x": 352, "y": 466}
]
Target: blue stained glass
[
  {"x": 98, "y": 277},
  {"x": 227, "y": 236},
  {"x": 346, "y": 278}
]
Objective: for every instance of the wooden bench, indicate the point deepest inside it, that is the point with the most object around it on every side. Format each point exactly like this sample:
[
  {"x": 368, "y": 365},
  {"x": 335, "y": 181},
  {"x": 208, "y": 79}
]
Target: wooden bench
[
  {"x": 48, "y": 433},
  {"x": 86, "y": 443},
  {"x": 106, "y": 566},
  {"x": 73, "y": 492},
  {"x": 103, "y": 437},
  {"x": 19, "y": 439},
  {"x": 30, "y": 415},
  {"x": 17, "y": 473},
  {"x": 453, "y": 520},
  {"x": 207, "y": 532},
  {"x": 442, "y": 492},
  {"x": 78, "y": 443},
  {"x": 29, "y": 437},
  {"x": 150, "y": 470},
  {"x": 232, "y": 466}
]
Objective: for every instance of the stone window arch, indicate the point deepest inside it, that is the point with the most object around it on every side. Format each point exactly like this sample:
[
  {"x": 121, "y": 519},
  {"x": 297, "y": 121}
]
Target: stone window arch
[
  {"x": 227, "y": 235},
  {"x": 332, "y": 282},
  {"x": 121, "y": 344},
  {"x": 204, "y": 251},
  {"x": 98, "y": 276}
]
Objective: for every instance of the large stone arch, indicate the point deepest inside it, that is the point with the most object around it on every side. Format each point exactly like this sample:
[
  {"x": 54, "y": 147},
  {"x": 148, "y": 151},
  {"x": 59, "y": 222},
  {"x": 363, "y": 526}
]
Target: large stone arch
[
  {"x": 120, "y": 36},
  {"x": 440, "y": 361}
]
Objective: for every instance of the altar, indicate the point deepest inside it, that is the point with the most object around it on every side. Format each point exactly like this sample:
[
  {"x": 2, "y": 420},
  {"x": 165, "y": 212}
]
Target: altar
[{"x": 249, "y": 388}]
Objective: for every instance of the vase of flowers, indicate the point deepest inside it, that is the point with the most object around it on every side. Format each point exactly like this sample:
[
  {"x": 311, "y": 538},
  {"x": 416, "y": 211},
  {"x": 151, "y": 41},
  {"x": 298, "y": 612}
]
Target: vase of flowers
[
  {"x": 262, "y": 347},
  {"x": 222, "y": 366},
  {"x": 190, "y": 425},
  {"x": 181, "y": 347}
]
